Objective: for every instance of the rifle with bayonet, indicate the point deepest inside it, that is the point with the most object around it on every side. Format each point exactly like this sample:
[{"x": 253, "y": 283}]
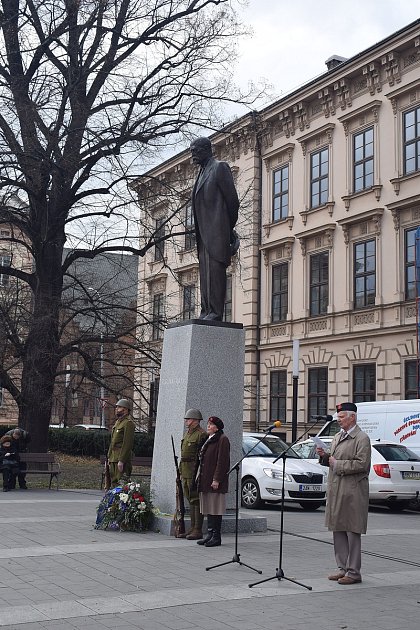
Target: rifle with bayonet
[{"x": 179, "y": 516}]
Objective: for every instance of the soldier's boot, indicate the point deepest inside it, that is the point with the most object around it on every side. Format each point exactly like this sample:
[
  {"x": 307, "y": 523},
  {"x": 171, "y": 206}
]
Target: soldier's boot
[
  {"x": 197, "y": 531},
  {"x": 209, "y": 534},
  {"x": 192, "y": 521},
  {"x": 216, "y": 539}
]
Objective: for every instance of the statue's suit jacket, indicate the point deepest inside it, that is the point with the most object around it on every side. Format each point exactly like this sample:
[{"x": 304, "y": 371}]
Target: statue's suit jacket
[{"x": 215, "y": 206}]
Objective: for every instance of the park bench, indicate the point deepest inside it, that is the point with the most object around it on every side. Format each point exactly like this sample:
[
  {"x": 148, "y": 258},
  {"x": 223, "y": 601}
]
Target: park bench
[
  {"x": 41, "y": 464},
  {"x": 137, "y": 462}
]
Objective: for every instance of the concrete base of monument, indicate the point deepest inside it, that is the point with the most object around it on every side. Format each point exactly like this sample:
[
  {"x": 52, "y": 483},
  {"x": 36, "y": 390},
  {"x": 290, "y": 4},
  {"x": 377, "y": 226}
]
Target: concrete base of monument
[
  {"x": 202, "y": 368},
  {"x": 246, "y": 524}
]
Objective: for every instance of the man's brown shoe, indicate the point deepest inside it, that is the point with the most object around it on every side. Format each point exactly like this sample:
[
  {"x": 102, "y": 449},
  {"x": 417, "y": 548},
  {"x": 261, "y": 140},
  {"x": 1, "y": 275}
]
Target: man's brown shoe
[
  {"x": 336, "y": 576},
  {"x": 349, "y": 580}
]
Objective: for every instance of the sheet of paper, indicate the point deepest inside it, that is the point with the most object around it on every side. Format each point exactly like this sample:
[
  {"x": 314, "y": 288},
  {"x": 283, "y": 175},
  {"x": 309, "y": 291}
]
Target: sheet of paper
[{"x": 319, "y": 443}]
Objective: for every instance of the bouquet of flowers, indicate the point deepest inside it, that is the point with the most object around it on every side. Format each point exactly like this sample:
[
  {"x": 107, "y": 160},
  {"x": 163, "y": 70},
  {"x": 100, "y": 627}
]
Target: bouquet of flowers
[{"x": 127, "y": 508}]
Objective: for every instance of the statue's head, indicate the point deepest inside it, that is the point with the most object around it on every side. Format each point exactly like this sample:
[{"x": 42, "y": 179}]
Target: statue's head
[{"x": 200, "y": 150}]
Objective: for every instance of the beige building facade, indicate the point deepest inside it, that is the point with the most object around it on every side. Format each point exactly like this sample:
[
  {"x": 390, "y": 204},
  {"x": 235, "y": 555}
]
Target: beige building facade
[
  {"x": 14, "y": 298},
  {"x": 329, "y": 180}
]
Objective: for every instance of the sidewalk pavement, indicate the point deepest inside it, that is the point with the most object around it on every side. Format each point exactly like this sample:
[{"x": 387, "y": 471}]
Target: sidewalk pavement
[{"x": 58, "y": 573}]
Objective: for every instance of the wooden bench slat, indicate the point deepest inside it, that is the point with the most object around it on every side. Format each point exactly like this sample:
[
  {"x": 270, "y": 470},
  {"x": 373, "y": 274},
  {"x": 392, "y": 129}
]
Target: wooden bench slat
[
  {"x": 34, "y": 462},
  {"x": 137, "y": 461}
]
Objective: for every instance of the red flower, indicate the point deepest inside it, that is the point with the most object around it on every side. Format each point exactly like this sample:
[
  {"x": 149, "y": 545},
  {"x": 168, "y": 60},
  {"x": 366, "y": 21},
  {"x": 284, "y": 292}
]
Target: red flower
[{"x": 137, "y": 496}]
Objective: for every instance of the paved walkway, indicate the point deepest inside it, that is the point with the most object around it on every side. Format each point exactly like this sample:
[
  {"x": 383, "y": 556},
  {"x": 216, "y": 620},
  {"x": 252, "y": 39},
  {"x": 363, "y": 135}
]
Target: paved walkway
[{"x": 58, "y": 573}]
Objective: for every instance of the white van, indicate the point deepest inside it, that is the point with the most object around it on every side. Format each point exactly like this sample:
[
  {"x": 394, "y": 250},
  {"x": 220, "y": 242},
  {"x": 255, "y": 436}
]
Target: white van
[{"x": 391, "y": 420}]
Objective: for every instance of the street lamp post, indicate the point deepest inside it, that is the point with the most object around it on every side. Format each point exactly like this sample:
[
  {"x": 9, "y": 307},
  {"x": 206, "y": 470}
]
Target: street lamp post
[
  {"x": 101, "y": 350},
  {"x": 295, "y": 388},
  {"x": 66, "y": 396},
  {"x": 101, "y": 368}
]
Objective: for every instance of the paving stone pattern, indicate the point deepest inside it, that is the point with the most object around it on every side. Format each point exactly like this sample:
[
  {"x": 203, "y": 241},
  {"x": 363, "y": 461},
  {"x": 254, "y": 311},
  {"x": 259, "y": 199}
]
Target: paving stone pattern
[{"x": 58, "y": 573}]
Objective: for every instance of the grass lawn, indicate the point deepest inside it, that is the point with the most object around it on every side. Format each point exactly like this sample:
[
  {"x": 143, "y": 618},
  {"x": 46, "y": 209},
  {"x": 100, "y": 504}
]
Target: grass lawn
[{"x": 76, "y": 472}]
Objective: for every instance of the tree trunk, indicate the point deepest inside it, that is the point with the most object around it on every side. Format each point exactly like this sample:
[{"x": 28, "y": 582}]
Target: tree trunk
[{"x": 42, "y": 356}]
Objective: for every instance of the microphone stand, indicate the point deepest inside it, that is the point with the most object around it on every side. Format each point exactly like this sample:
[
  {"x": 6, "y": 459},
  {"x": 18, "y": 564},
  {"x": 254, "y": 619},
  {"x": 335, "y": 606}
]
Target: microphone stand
[
  {"x": 236, "y": 556},
  {"x": 279, "y": 571}
]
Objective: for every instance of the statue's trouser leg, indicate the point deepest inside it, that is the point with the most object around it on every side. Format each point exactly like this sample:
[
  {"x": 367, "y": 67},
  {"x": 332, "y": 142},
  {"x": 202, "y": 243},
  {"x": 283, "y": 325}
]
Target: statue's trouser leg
[{"x": 212, "y": 286}]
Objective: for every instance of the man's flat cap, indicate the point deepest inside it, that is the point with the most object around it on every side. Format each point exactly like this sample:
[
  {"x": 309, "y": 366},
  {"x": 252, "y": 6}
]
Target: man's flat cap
[{"x": 347, "y": 406}]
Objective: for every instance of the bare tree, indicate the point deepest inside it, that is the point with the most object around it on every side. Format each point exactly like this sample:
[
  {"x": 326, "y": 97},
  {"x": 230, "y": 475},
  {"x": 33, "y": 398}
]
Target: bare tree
[{"x": 89, "y": 91}]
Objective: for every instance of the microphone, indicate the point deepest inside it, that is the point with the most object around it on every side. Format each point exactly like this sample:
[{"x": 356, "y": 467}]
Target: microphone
[
  {"x": 327, "y": 418},
  {"x": 275, "y": 425}
]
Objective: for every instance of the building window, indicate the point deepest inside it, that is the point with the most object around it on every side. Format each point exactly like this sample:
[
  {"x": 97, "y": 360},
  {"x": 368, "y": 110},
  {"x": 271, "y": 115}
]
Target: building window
[
  {"x": 279, "y": 292},
  {"x": 158, "y": 316},
  {"x": 188, "y": 302},
  {"x": 159, "y": 234},
  {"x": 56, "y": 407},
  {"x": 317, "y": 391},
  {"x": 364, "y": 382},
  {"x": 363, "y": 160},
  {"x": 6, "y": 260},
  {"x": 364, "y": 274},
  {"x": 411, "y": 141},
  {"x": 227, "y": 316},
  {"x": 278, "y": 387},
  {"x": 92, "y": 407},
  {"x": 318, "y": 284},
  {"x": 190, "y": 240},
  {"x": 411, "y": 380},
  {"x": 280, "y": 193},
  {"x": 153, "y": 398},
  {"x": 410, "y": 264},
  {"x": 319, "y": 178}
]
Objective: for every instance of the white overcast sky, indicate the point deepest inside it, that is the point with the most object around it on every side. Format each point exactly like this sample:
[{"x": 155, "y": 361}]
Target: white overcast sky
[{"x": 292, "y": 39}]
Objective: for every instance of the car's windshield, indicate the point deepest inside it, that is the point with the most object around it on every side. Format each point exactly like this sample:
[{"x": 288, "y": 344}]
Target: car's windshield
[
  {"x": 269, "y": 446},
  {"x": 330, "y": 429},
  {"x": 306, "y": 450},
  {"x": 396, "y": 453}
]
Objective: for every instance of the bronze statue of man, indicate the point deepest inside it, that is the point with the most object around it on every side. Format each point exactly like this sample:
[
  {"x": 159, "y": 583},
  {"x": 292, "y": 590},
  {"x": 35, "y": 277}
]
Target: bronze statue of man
[{"x": 215, "y": 206}]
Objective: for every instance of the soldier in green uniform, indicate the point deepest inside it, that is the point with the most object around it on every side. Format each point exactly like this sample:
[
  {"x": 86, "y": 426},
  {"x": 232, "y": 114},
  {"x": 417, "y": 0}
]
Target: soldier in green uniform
[
  {"x": 191, "y": 444},
  {"x": 122, "y": 440}
]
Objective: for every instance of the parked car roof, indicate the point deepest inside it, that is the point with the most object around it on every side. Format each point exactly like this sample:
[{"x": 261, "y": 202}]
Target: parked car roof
[{"x": 91, "y": 427}]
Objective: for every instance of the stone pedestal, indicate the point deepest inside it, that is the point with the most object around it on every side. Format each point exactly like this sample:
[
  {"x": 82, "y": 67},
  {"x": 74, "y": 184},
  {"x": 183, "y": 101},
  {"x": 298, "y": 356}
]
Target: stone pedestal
[{"x": 202, "y": 367}]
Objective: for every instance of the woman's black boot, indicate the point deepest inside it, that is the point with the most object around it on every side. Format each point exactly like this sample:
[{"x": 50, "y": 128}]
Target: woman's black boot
[
  {"x": 209, "y": 534},
  {"x": 216, "y": 539}
]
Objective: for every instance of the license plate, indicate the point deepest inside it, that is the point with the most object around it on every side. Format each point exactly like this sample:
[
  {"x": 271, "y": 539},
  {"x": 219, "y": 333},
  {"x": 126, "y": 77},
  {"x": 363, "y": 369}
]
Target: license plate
[
  {"x": 411, "y": 474},
  {"x": 306, "y": 488}
]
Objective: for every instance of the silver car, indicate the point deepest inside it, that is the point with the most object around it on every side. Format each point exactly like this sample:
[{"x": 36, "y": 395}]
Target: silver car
[
  {"x": 394, "y": 478},
  {"x": 304, "y": 483}
]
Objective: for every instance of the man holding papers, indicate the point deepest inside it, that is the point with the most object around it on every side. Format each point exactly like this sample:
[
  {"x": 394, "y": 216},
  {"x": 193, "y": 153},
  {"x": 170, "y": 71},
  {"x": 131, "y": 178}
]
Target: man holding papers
[{"x": 348, "y": 492}]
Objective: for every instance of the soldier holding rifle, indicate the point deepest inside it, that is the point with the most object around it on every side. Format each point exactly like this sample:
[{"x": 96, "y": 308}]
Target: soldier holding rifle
[{"x": 191, "y": 444}]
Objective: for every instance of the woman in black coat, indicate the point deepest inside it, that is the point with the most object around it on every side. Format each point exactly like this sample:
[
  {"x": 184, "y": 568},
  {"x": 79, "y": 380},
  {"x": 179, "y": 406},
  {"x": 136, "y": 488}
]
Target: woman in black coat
[{"x": 214, "y": 463}]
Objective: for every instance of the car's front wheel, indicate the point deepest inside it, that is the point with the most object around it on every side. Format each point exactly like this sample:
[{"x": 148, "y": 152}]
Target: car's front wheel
[
  {"x": 250, "y": 494},
  {"x": 310, "y": 506}
]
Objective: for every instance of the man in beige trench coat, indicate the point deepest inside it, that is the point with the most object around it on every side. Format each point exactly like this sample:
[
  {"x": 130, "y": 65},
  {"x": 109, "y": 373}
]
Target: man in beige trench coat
[{"x": 348, "y": 493}]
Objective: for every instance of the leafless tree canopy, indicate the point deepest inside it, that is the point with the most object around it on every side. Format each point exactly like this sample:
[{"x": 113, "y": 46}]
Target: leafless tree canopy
[{"x": 90, "y": 90}]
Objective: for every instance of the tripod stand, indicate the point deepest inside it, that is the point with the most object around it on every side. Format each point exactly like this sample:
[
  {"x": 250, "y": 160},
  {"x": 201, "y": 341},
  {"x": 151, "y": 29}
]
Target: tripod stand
[
  {"x": 279, "y": 571},
  {"x": 236, "y": 555}
]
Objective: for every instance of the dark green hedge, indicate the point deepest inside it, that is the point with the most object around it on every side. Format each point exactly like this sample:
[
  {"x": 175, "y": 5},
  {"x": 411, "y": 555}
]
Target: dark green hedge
[
  {"x": 93, "y": 443},
  {"x": 89, "y": 443}
]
